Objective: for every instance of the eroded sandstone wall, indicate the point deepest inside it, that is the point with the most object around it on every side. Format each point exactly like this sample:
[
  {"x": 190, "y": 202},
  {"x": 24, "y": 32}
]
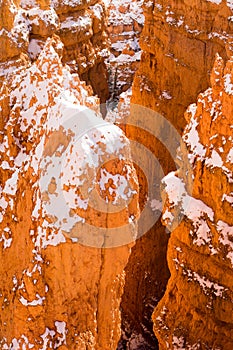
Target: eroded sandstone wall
[
  {"x": 197, "y": 311},
  {"x": 179, "y": 42},
  {"x": 59, "y": 287}
]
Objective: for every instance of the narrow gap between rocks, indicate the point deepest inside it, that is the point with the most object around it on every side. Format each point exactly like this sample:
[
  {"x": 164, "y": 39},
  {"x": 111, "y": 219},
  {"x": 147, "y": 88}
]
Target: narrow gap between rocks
[{"x": 146, "y": 272}]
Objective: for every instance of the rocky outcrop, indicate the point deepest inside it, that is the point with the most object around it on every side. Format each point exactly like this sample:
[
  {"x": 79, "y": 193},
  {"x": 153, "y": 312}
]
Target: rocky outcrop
[
  {"x": 14, "y": 38},
  {"x": 125, "y": 22},
  {"x": 26, "y": 25},
  {"x": 196, "y": 311},
  {"x": 179, "y": 43},
  {"x": 67, "y": 193}
]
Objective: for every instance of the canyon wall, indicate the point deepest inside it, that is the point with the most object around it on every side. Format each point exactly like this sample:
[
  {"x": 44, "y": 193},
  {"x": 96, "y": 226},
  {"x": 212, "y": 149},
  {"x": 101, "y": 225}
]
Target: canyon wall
[
  {"x": 59, "y": 286},
  {"x": 59, "y": 187},
  {"x": 196, "y": 311},
  {"x": 179, "y": 42},
  {"x": 81, "y": 26}
]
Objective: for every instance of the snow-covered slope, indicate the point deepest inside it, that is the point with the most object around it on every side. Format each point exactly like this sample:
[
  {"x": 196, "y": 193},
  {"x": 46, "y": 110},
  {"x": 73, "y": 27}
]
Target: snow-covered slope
[{"x": 68, "y": 189}]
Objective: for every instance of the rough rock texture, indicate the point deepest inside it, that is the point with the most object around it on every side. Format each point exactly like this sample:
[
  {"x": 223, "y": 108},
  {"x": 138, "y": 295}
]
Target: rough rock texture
[
  {"x": 179, "y": 43},
  {"x": 197, "y": 310},
  {"x": 14, "y": 38},
  {"x": 80, "y": 24},
  {"x": 59, "y": 288},
  {"x": 125, "y": 22},
  {"x": 146, "y": 272}
]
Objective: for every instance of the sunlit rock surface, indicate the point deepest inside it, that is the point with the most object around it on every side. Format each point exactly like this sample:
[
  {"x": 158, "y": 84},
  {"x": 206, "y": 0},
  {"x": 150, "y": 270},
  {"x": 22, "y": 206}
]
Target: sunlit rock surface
[
  {"x": 68, "y": 191},
  {"x": 196, "y": 311},
  {"x": 179, "y": 42},
  {"x": 81, "y": 25}
]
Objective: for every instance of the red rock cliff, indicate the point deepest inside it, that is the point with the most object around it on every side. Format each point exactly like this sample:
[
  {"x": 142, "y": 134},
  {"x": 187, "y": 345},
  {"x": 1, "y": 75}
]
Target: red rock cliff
[
  {"x": 179, "y": 42},
  {"x": 197, "y": 311}
]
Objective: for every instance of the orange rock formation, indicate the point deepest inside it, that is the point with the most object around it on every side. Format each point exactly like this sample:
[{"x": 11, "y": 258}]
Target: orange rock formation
[
  {"x": 179, "y": 42},
  {"x": 59, "y": 287},
  {"x": 81, "y": 26},
  {"x": 69, "y": 190},
  {"x": 197, "y": 311}
]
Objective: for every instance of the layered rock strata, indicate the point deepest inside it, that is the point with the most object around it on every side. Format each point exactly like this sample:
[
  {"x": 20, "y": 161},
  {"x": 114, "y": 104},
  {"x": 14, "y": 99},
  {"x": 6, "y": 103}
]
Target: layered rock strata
[
  {"x": 65, "y": 196},
  {"x": 196, "y": 311}
]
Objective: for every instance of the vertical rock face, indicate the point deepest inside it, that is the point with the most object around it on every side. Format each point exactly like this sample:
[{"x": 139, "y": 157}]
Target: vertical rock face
[
  {"x": 59, "y": 288},
  {"x": 125, "y": 22},
  {"x": 81, "y": 26},
  {"x": 196, "y": 311},
  {"x": 146, "y": 272},
  {"x": 179, "y": 43}
]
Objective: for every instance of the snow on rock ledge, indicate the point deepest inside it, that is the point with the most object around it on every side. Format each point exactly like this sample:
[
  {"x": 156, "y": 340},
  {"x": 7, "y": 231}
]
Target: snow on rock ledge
[
  {"x": 26, "y": 25},
  {"x": 198, "y": 210},
  {"x": 125, "y": 24},
  {"x": 67, "y": 180}
]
